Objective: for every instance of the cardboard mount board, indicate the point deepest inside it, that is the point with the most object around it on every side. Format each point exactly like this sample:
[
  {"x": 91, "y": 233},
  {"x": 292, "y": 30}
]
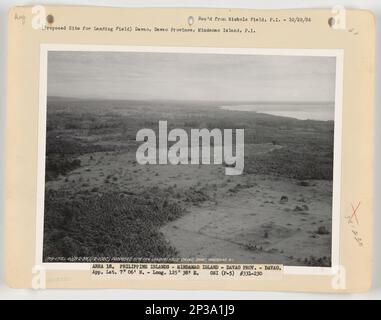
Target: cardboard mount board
[{"x": 97, "y": 194}]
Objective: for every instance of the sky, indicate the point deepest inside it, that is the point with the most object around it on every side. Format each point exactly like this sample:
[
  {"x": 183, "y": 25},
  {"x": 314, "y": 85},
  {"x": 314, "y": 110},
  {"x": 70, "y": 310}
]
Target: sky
[{"x": 189, "y": 76}]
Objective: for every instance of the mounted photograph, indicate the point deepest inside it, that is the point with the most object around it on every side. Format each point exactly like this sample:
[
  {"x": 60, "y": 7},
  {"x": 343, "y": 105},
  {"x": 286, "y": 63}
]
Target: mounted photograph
[{"x": 189, "y": 156}]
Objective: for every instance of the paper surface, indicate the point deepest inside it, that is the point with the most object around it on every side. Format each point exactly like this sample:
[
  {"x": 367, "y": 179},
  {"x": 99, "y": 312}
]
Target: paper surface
[{"x": 147, "y": 39}]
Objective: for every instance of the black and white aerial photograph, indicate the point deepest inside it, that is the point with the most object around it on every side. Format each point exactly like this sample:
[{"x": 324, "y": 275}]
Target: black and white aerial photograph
[{"x": 189, "y": 157}]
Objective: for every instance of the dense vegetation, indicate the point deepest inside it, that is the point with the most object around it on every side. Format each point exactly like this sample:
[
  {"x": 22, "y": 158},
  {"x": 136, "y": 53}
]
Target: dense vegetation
[{"x": 109, "y": 225}]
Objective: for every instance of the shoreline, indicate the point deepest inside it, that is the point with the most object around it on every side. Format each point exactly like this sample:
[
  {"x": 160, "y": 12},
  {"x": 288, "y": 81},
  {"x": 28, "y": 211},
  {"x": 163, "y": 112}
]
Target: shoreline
[{"x": 278, "y": 113}]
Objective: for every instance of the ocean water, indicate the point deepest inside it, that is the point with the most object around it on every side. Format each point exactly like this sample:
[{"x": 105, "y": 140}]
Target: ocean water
[{"x": 322, "y": 112}]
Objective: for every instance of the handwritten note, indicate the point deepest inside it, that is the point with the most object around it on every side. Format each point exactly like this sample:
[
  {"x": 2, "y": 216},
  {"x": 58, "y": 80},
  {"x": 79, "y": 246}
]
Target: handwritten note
[{"x": 353, "y": 223}]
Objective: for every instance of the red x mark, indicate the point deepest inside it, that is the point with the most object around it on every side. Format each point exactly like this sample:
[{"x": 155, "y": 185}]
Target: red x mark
[{"x": 354, "y": 212}]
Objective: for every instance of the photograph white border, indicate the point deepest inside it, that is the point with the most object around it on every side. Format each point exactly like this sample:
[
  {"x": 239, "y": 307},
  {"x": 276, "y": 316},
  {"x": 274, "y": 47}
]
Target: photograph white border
[{"x": 336, "y": 194}]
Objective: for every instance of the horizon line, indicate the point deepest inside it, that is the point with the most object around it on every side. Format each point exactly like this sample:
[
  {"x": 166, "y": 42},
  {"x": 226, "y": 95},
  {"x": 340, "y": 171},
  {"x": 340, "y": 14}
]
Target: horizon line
[{"x": 185, "y": 100}]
